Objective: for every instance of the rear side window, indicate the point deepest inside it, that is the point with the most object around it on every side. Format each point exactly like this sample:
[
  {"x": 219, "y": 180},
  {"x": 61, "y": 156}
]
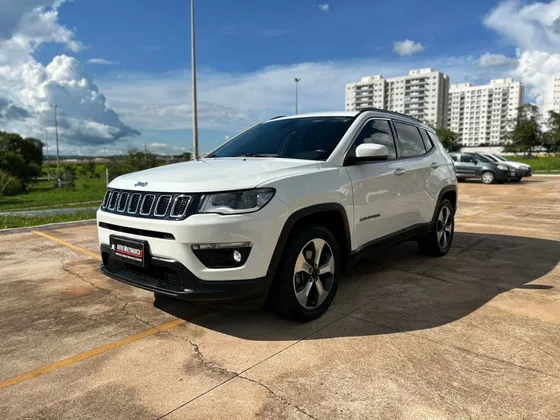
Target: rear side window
[
  {"x": 428, "y": 144},
  {"x": 409, "y": 139},
  {"x": 454, "y": 158},
  {"x": 378, "y": 132}
]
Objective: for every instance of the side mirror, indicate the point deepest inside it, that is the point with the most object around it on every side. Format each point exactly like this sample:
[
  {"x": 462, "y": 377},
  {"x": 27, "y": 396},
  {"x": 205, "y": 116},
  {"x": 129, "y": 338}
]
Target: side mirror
[
  {"x": 371, "y": 152},
  {"x": 475, "y": 162}
]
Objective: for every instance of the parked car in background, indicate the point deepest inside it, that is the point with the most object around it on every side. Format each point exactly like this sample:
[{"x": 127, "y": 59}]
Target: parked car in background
[
  {"x": 475, "y": 165},
  {"x": 522, "y": 169}
]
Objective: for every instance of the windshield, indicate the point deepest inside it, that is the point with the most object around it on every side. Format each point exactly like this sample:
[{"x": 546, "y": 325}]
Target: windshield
[
  {"x": 482, "y": 158},
  {"x": 492, "y": 158},
  {"x": 500, "y": 158},
  {"x": 312, "y": 138}
]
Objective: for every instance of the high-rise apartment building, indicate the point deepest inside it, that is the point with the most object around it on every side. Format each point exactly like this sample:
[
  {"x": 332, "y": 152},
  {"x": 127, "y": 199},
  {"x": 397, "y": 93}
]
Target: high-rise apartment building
[
  {"x": 422, "y": 94},
  {"x": 480, "y": 114},
  {"x": 551, "y": 95}
]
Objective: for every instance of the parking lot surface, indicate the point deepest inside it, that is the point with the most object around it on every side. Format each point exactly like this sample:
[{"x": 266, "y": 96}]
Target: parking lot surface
[{"x": 475, "y": 334}]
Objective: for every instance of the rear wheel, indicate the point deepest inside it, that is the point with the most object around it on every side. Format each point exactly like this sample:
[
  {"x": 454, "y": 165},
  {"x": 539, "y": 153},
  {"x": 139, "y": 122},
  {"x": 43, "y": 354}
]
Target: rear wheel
[
  {"x": 488, "y": 177},
  {"x": 308, "y": 278},
  {"x": 438, "y": 242}
]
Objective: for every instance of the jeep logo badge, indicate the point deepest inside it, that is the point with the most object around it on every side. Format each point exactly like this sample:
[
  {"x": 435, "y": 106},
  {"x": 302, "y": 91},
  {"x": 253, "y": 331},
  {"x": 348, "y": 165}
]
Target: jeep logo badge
[{"x": 140, "y": 184}]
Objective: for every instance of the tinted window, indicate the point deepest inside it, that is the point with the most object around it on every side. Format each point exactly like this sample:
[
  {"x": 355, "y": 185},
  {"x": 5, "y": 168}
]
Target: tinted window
[
  {"x": 467, "y": 158},
  {"x": 426, "y": 139},
  {"x": 410, "y": 142},
  {"x": 375, "y": 131},
  {"x": 483, "y": 158},
  {"x": 454, "y": 157},
  {"x": 299, "y": 138}
]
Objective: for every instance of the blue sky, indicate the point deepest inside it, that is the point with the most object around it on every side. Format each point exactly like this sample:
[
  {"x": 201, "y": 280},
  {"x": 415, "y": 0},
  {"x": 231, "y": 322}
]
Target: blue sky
[{"x": 136, "y": 53}]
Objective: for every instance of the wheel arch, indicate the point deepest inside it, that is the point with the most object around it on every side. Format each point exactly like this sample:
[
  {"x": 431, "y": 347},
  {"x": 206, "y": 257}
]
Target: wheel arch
[
  {"x": 448, "y": 192},
  {"x": 330, "y": 215}
]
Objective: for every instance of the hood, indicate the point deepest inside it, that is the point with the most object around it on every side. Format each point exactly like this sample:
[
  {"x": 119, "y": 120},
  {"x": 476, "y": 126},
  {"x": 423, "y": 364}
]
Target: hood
[
  {"x": 516, "y": 164},
  {"x": 210, "y": 175}
]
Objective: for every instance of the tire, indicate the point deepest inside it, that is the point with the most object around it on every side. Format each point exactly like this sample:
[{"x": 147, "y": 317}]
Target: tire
[
  {"x": 488, "y": 177},
  {"x": 299, "y": 278},
  {"x": 438, "y": 242},
  {"x": 517, "y": 180}
]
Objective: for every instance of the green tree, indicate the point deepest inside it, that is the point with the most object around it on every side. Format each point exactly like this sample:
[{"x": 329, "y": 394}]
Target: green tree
[
  {"x": 551, "y": 138},
  {"x": 448, "y": 139},
  {"x": 30, "y": 149},
  {"x": 88, "y": 169},
  {"x": 9, "y": 184},
  {"x": 15, "y": 165},
  {"x": 69, "y": 175},
  {"x": 184, "y": 156},
  {"x": 134, "y": 161},
  {"x": 526, "y": 135}
]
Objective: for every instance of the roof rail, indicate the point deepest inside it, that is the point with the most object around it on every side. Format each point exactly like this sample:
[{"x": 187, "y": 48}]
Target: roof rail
[
  {"x": 390, "y": 112},
  {"x": 275, "y": 118}
]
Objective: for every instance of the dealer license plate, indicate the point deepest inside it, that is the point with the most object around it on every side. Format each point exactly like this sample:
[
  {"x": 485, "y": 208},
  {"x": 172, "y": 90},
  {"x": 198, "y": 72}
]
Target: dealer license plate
[{"x": 128, "y": 250}]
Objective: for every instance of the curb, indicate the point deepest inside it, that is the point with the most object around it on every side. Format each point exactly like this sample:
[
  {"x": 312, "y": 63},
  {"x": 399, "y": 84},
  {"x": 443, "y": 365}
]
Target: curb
[{"x": 47, "y": 226}]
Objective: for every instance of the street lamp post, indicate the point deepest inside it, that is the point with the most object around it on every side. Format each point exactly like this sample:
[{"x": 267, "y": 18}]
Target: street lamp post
[
  {"x": 297, "y": 92},
  {"x": 193, "y": 70},
  {"x": 57, "y": 151},
  {"x": 47, "y": 150}
]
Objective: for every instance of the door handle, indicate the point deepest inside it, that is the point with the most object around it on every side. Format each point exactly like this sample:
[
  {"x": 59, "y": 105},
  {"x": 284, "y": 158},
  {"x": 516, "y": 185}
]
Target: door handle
[
  {"x": 435, "y": 165},
  {"x": 399, "y": 171}
]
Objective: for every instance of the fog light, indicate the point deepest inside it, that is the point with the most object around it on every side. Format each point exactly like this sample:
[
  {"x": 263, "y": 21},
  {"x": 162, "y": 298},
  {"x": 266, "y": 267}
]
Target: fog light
[{"x": 222, "y": 255}]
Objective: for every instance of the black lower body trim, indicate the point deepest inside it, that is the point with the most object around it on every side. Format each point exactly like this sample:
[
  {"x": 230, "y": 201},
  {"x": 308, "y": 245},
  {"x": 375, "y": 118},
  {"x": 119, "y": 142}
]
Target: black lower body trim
[
  {"x": 172, "y": 278},
  {"x": 396, "y": 238}
]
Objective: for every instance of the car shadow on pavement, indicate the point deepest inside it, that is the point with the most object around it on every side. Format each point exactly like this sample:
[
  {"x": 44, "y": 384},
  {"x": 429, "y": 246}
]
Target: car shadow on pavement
[{"x": 400, "y": 290}]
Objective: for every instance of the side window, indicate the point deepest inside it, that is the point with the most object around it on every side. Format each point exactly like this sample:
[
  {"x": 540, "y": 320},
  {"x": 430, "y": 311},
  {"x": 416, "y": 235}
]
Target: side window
[
  {"x": 375, "y": 131},
  {"x": 454, "y": 158},
  {"x": 467, "y": 158},
  {"x": 410, "y": 141},
  {"x": 428, "y": 143}
]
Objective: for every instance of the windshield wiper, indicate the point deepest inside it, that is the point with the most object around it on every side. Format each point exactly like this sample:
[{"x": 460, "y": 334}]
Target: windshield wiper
[{"x": 260, "y": 155}]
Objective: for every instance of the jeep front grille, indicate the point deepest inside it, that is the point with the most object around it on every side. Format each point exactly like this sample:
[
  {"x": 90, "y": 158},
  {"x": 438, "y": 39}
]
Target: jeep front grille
[{"x": 147, "y": 204}]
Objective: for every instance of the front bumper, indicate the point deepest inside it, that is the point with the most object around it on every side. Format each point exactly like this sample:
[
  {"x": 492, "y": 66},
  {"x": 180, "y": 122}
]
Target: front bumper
[
  {"x": 523, "y": 173},
  {"x": 172, "y": 278},
  {"x": 501, "y": 175}
]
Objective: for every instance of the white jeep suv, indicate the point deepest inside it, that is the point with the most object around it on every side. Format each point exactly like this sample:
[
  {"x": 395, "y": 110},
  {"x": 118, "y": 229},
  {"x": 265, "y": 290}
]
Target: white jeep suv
[{"x": 276, "y": 213}]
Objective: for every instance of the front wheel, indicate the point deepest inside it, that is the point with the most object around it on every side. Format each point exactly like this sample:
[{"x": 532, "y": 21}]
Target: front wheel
[
  {"x": 308, "y": 278},
  {"x": 438, "y": 242},
  {"x": 487, "y": 177}
]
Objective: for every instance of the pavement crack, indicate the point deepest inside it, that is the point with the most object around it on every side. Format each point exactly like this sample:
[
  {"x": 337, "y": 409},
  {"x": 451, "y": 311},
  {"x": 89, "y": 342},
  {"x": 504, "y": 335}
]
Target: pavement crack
[
  {"x": 279, "y": 397},
  {"x": 109, "y": 293}
]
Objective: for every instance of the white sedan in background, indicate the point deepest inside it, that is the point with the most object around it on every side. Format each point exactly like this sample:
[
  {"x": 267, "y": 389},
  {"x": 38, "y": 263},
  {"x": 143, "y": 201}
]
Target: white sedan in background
[{"x": 522, "y": 169}]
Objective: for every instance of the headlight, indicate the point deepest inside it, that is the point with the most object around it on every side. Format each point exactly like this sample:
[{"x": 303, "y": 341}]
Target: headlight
[
  {"x": 236, "y": 202},
  {"x": 503, "y": 167}
]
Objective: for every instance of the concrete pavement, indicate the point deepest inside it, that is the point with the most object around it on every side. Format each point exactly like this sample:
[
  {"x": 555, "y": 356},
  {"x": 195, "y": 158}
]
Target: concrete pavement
[{"x": 473, "y": 335}]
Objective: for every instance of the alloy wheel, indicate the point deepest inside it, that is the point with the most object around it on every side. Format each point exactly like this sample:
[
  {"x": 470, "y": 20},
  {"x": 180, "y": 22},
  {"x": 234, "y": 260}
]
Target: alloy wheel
[
  {"x": 314, "y": 273},
  {"x": 444, "y": 228}
]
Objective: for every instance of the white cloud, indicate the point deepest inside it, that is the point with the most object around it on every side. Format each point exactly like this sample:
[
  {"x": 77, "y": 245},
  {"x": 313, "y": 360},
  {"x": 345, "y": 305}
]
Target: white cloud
[
  {"x": 323, "y": 7},
  {"x": 535, "y": 30},
  {"x": 101, "y": 61},
  {"x": 31, "y": 88},
  {"x": 533, "y": 69},
  {"x": 495, "y": 60},
  {"x": 407, "y": 47},
  {"x": 534, "y": 26}
]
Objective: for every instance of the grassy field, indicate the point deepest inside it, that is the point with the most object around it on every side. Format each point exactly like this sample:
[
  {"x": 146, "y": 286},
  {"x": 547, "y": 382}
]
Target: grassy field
[
  {"x": 7, "y": 222},
  {"x": 545, "y": 164},
  {"x": 45, "y": 194}
]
